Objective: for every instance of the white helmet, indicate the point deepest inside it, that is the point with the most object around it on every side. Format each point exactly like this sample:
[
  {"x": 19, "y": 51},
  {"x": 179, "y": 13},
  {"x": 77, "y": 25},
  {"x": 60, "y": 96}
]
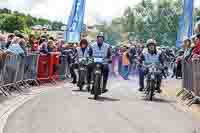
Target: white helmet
[
  {"x": 151, "y": 41},
  {"x": 185, "y": 38}
]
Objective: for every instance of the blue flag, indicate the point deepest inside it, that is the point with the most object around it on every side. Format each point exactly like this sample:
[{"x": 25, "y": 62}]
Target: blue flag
[
  {"x": 75, "y": 21},
  {"x": 180, "y": 32},
  {"x": 185, "y": 22},
  {"x": 187, "y": 16}
]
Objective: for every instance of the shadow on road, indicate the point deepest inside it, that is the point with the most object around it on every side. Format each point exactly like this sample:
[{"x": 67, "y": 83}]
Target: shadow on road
[
  {"x": 103, "y": 99},
  {"x": 159, "y": 100},
  {"x": 79, "y": 90}
]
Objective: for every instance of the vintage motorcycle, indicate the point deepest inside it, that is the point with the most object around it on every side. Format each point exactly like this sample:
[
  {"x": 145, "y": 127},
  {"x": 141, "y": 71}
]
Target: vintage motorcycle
[
  {"x": 97, "y": 84},
  {"x": 82, "y": 73},
  {"x": 153, "y": 80}
]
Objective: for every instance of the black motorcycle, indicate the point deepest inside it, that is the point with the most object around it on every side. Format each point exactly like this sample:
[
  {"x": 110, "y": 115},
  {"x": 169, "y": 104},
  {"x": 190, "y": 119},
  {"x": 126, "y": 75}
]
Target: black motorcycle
[
  {"x": 82, "y": 73},
  {"x": 152, "y": 80},
  {"x": 97, "y": 77}
]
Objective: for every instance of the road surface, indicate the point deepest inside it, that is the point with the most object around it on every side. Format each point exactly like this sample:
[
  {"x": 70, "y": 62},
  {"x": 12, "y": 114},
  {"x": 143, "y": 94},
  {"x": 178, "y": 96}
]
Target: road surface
[{"x": 122, "y": 110}]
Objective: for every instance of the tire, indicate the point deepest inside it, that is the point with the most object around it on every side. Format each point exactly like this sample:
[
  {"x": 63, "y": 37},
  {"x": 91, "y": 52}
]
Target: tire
[
  {"x": 81, "y": 80},
  {"x": 80, "y": 87},
  {"x": 96, "y": 97},
  {"x": 97, "y": 86},
  {"x": 151, "y": 91}
]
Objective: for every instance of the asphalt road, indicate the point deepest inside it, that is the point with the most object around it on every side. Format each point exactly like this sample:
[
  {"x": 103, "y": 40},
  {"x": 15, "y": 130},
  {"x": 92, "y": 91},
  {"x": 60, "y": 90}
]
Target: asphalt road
[{"x": 122, "y": 110}]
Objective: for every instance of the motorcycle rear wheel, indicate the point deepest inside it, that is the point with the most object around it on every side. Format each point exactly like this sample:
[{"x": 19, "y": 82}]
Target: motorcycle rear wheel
[
  {"x": 151, "y": 93},
  {"x": 151, "y": 90}
]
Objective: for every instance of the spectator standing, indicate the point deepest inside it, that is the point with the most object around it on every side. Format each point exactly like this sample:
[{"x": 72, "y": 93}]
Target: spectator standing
[
  {"x": 9, "y": 40},
  {"x": 125, "y": 63},
  {"x": 51, "y": 46},
  {"x": 2, "y": 42},
  {"x": 188, "y": 49},
  {"x": 196, "y": 49},
  {"x": 33, "y": 43},
  {"x": 43, "y": 46},
  {"x": 15, "y": 48},
  {"x": 22, "y": 44}
]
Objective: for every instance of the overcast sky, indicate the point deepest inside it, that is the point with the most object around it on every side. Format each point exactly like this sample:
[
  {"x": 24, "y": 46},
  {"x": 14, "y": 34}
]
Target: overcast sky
[{"x": 96, "y": 10}]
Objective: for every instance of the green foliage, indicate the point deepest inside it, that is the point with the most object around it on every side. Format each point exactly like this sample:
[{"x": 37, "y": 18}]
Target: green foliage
[
  {"x": 56, "y": 25},
  {"x": 26, "y": 31},
  {"x": 112, "y": 37},
  {"x": 5, "y": 10},
  {"x": 11, "y": 21},
  {"x": 150, "y": 20}
]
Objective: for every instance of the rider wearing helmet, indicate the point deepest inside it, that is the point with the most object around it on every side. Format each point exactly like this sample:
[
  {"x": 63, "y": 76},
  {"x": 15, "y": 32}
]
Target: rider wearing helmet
[
  {"x": 101, "y": 49},
  {"x": 148, "y": 57},
  {"x": 80, "y": 52}
]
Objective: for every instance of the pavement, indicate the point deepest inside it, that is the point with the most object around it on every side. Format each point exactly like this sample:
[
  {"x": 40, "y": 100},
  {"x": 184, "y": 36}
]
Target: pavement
[
  {"x": 63, "y": 109},
  {"x": 171, "y": 87}
]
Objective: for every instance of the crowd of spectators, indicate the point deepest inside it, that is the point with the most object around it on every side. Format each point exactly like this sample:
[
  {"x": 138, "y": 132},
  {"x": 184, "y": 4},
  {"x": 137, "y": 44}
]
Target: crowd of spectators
[
  {"x": 19, "y": 44},
  {"x": 190, "y": 49}
]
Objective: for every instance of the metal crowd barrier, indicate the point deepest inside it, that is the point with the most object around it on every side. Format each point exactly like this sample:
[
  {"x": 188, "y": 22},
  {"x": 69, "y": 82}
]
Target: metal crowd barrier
[
  {"x": 30, "y": 68},
  {"x": 63, "y": 68},
  {"x": 9, "y": 74},
  {"x": 14, "y": 72},
  {"x": 2, "y": 64},
  {"x": 190, "y": 82},
  {"x": 22, "y": 71}
]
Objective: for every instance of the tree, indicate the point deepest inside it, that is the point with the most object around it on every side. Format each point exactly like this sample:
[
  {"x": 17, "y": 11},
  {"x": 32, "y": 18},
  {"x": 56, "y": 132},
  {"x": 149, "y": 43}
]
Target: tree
[
  {"x": 29, "y": 20},
  {"x": 130, "y": 18},
  {"x": 11, "y": 23},
  {"x": 41, "y": 21},
  {"x": 57, "y": 25},
  {"x": 153, "y": 20},
  {"x": 9, "y": 20},
  {"x": 5, "y": 10}
]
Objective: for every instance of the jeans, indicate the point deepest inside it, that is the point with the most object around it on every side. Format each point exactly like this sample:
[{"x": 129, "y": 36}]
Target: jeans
[
  {"x": 73, "y": 74},
  {"x": 141, "y": 77},
  {"x": 125, "y": 72}
]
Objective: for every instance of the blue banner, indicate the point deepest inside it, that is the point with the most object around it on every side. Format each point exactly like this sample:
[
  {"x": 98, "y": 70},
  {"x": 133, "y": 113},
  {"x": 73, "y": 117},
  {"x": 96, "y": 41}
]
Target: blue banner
[
  {"x": 185, "y": 23},
  {"x": 180, "y": 32},
  {"x": 75, "y": 21},
  {"x": 73, "y": 37},
  {"x": 187, "y": 16}
]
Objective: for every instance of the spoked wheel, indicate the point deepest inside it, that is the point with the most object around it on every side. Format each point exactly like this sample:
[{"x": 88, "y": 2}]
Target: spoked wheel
[
  {"x": 96, "y": 97},
  {"x": 151, "y": 90},
  {"x": 97, "y": 86},
  {"x": 81, "y": 87},
  {"x": 81, "y": 81}
]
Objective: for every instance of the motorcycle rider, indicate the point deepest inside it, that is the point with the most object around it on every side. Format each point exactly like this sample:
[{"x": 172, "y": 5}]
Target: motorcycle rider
[
  {"x": 101, "y": 49},
  {"x": 81, "y": 52},
  {"x": 148, "y": 57}
]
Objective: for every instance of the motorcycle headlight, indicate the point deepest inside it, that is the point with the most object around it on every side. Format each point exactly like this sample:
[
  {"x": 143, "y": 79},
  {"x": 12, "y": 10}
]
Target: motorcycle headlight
[
  {"x": 150, "y": 70},
  {"x": 82, "y": 68},
  {"x": 152, "y": 76},
  {"x": 98, "y": 65}
]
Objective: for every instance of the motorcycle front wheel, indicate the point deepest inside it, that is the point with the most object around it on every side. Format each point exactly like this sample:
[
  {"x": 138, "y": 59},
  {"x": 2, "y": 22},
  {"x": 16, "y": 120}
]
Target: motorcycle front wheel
[
  {"x": 151, "y": 90},
  {"x": 97, "y": 86},
  {"x": 81, "y": 80}
]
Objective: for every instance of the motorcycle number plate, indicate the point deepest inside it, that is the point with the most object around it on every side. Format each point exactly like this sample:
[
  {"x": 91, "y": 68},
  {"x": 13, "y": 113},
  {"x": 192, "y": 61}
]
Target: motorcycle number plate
[
  {"x": 97, "y": 72},
  {"x": 82, "y": 69},
  {"x": 152, "y": 77},
  {"x": 98, "y": 60},
  {"x": 81, "y": 59}
]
